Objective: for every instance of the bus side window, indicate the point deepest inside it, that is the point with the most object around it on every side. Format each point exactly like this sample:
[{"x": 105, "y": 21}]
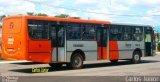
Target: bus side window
[
  {"x": 115, "y": 32},
  {"x": 45, "y": 32},
  {"x": 53, "y": 34},
  {"x": 89, "y": 33},
  {"x": 74, "y": 32},
  {"x": 60, "y": 36},
  {"x": 127, "y": 34},
  {"x": 38, "y": 29},
  {"x": 137, "y": 33},
  {"x": 148, "y": 34}
]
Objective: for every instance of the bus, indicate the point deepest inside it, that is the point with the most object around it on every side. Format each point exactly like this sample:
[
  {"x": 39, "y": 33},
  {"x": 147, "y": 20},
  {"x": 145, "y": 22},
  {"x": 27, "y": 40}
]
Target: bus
[{"x": 71, "y": 41}]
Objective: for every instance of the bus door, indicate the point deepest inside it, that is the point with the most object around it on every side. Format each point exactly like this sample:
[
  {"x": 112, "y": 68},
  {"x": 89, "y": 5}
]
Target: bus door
[
  {"x": 149, "y": 41},
  {"x": 39, "y": 44},
  {"x": 57, "y": 35},
  {"x": 102, "y": 38}
]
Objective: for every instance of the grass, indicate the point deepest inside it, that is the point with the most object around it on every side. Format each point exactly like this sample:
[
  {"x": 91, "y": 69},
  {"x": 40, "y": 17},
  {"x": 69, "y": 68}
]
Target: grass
[{"x": 4, "y": 60}]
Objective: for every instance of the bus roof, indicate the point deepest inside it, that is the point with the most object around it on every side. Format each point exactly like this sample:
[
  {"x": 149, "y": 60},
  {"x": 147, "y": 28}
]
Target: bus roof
[
  {"x": 125, "y": 24},
  {"x": 50, "y": 18}
]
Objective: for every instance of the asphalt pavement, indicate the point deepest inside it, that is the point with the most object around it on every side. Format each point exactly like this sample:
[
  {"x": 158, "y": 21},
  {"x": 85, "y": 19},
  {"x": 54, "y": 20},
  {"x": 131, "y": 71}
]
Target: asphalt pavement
[{"x": 149, "y": 66}]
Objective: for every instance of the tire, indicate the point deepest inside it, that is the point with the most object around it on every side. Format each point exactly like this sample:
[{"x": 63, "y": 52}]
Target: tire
[
  {"x": 136, "y": 57},
  {"x": 76, "y": 61},
  {"x": 55, "y": 65},
  {"x": 114, "y": 61}
]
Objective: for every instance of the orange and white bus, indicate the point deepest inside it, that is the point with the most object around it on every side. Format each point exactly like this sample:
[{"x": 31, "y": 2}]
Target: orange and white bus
[{"x": 58, "y": 41}]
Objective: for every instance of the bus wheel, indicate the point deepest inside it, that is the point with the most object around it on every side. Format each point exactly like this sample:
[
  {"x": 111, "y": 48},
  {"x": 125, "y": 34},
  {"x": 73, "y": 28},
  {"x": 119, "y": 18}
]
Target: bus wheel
[
  {"x": 55, "y": 65},
  {"x": 114, "y": 61},
  {"x": 76, "y": 61},
  {"x": 136, "y": 57}
]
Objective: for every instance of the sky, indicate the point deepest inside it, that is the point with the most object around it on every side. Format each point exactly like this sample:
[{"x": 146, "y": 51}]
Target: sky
[{"x": 144, "y": 12}]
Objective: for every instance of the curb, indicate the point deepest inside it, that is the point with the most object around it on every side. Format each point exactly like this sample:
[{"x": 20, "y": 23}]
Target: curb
[
  {"x": 158, "y": 53},
  {"x": 9, "y": 62}
]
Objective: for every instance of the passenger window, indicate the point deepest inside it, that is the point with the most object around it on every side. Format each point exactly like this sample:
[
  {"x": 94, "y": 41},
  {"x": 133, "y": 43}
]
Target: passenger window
[
  {"x": 53, "y": 34},
  {"x": 60, "y": 36},
  {"x": 89, "y": 33},
  {"x": 127, "y": 33},
  {"x": 148, "y": 34},
  {"x": 38, "y": 29},
  {"x": 74, "y": 32},
  {"x": 115, "y": 33},
  {"x": 57, "y": 35},
  {"x": 137, "y": 33}
]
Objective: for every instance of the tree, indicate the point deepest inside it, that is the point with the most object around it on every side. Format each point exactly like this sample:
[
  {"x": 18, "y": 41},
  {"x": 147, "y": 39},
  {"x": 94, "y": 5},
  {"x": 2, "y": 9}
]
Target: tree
[
  {"x": 156, "y": 35},
  {"x": 62, "y": 16},
  {"x": 36, "y": 14},
  {"x": 30, "y": 13},
  {"x": 2, "y": 16},
  {"x": 158, "y": 46},
  {"x": 41, "y": 14}
]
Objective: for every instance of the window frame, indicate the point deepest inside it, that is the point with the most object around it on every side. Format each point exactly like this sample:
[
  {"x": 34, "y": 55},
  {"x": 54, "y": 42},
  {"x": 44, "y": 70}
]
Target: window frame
[
  {"x": 82, "y": 26},
  {"x": 92, "y": 27},
  {"x": 110, "y": 33},
  {"x": 36, "y": 22},
  {"x": 142, "y": 33},
  {"x": 131, "y": 33},
  {"x": 70, "y": 26}
]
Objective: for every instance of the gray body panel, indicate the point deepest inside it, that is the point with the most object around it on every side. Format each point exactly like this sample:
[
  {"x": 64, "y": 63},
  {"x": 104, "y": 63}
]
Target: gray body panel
[
  {"x": 83, "y": 45},
  {"x": 126, "y": 48},
  {"x": 88, "y": 47},
  {"x": 61, "y": 54}
]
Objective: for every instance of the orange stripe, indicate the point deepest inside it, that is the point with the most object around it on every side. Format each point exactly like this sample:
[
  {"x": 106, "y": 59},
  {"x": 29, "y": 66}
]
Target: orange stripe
[
  {"x": 104, "y": 52},
  {"x": 114, "y": 55}
]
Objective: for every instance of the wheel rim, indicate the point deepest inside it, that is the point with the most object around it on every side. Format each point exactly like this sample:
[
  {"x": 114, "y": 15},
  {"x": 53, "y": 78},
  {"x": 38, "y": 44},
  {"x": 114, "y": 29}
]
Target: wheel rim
[
  {"x": 77, "y": 61},
  {"x": 136, "y": 57}
]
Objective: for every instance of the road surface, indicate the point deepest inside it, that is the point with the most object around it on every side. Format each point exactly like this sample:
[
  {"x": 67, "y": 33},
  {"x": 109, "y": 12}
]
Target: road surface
[{"x": 150, "y": 66}]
